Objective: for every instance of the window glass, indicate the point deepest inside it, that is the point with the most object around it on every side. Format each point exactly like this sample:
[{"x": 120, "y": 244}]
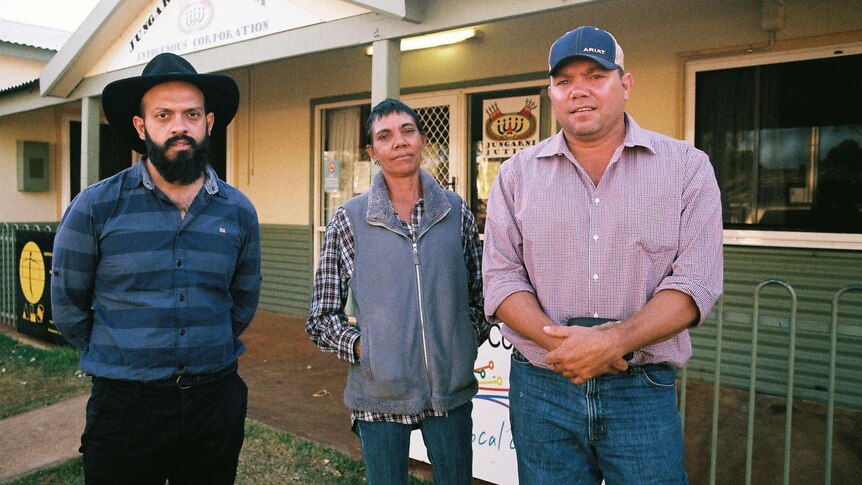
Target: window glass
[
  {"x": 501, "y": 124},
  {"x": 346, "y": 168},
  {"x": 786, "y": 143}
]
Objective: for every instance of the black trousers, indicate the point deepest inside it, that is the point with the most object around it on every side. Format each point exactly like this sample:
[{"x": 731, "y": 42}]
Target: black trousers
[{"x": 139, "y": 433}]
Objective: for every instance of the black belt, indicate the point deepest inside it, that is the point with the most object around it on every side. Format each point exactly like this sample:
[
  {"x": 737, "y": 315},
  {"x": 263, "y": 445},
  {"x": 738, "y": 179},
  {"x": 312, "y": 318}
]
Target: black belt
[
  {"x": 592, "y": 322},
  {"x": 580, "y": 322},
  {"x": 182, "y": 382},
  {"x": 517, "y": 355}
]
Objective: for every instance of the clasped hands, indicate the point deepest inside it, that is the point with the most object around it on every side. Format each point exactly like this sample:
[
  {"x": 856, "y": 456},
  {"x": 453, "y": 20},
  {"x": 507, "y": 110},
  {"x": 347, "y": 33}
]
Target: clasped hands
[{"x": 582, "y": 353}]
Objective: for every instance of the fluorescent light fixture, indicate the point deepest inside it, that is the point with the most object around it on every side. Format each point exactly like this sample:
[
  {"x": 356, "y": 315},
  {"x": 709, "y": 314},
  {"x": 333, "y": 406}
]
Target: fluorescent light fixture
[{"x": 434, "y": 40}]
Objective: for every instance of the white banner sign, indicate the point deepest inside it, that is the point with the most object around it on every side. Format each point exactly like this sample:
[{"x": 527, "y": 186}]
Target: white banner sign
[
  {"x": 183, "y": 26},
  {"x": 493, "y": 449}
]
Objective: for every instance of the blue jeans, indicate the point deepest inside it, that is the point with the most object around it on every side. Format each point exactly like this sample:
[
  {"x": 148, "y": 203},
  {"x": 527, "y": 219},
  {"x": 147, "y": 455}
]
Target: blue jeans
[
  {"x": 386, "y": 448},
  {"x": 623, "y": 428},
  {"x": 145, "y": 434}
]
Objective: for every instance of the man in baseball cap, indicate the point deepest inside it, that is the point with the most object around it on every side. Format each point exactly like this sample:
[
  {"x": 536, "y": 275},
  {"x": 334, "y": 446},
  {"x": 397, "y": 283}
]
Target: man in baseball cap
[
  {"x": 156, "y": 273},
  {"x": 589, "y": 42},
  {"x": 603, "y": 245}
]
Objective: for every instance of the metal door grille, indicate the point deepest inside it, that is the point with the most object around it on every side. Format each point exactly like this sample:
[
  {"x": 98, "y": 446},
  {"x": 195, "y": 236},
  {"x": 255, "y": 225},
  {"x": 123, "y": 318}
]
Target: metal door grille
[{"x": 435, "y": 158}]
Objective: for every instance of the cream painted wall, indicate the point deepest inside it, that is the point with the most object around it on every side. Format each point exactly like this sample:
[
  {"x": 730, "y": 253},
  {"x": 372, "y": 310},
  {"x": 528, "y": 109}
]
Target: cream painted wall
[
  {"x": 274, "y": 161},
  {"x": 26, "y": 206},
  {"x": 16, "y": 71},
  {"x": 274, "y": 166}
]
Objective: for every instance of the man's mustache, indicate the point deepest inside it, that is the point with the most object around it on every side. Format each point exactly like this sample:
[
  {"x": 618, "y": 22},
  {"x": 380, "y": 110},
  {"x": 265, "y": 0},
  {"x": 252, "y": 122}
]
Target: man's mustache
[{"x": 174, "y": 139}]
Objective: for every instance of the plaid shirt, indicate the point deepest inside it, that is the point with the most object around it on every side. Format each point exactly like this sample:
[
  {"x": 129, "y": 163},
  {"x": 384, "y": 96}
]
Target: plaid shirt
[
  {"x": 653, "y": 223},
  {"x": 327, "y": 323}
]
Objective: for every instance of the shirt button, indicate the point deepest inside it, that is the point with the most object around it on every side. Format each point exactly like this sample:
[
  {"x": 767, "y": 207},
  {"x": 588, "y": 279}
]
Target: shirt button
[
  {"x": 596, "y": 200},
  {"x": 596, "y": 315},
  {"x": 182, "y": 297},
  {"x": 595, "y": 237},
  {"x": 182, "y": 332},
  {"x": 179, "y": 262},
  {"x": 595, "y": 276}
]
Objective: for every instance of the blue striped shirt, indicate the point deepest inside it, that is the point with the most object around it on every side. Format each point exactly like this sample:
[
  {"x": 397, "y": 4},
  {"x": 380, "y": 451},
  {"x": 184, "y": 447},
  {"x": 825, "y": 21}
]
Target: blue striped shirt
[{"x": 147, "y": 295}]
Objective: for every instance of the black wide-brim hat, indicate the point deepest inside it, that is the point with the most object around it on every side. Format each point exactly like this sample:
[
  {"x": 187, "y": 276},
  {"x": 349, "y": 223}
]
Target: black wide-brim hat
[{"x": 121, "y": 99}]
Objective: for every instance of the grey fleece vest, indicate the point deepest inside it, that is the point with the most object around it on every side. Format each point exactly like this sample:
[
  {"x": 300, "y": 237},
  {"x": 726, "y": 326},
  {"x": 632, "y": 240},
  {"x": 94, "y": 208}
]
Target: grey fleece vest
[{"x": 417, "y": 342}]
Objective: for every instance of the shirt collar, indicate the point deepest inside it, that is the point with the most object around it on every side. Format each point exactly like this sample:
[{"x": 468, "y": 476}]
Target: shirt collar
[
  {"x": 635, "y": 136},
  {"x": 140, "y": 176}
]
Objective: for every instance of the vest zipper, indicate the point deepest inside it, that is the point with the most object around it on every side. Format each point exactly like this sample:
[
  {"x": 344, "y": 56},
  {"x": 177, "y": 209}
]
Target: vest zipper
[
  {"x": 418, "y": 285},
  {"x": 421, "y": 315}
]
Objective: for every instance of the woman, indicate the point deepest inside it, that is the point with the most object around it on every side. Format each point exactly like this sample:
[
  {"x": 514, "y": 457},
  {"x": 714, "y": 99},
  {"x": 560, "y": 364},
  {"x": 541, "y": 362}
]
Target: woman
[{"x": 409, "y": 252}]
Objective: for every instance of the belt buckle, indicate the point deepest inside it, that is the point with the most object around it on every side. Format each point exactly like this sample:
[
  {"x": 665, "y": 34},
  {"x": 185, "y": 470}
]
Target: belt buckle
[{"x": 180, "y": 386}]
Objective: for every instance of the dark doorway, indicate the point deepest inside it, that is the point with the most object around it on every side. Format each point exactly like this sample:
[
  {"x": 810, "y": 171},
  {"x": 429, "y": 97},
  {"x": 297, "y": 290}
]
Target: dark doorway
[{"x": 114, "y": 156}]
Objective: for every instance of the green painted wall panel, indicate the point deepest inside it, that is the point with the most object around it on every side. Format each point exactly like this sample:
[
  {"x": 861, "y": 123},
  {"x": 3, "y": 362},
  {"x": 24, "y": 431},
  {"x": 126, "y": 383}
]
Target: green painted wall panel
[
  {"x": 286, "y": 264},
  {"x": 815, "y": 275}
]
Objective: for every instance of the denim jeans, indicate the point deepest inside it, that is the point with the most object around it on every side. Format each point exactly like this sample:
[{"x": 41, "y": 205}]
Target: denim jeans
[
  {"x": 139, "y": 433},
  {"x": 386, "y": 448},
  {"x": 623, "y": 428}
]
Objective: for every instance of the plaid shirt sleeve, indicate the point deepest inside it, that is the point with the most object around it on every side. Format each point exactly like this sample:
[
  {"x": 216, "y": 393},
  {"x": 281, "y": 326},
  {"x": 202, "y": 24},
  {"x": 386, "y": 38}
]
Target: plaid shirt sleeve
[
  {"x": 327, "y": 324},
  {"x": 473, "y": 259}
]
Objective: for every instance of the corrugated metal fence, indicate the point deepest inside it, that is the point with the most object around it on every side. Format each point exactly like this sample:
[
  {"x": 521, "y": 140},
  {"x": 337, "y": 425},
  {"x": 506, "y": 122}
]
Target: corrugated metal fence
[{"x": 755, "y": 390}]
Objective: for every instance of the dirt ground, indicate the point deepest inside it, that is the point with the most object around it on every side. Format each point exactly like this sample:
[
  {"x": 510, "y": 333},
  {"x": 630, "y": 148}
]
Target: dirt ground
[{"x": 295, "y": 387}]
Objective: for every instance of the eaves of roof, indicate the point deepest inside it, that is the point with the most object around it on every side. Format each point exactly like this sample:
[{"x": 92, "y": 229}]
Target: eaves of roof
[
  {"x": 25, "y": 86},
  {"x": 32, "y": 35}
]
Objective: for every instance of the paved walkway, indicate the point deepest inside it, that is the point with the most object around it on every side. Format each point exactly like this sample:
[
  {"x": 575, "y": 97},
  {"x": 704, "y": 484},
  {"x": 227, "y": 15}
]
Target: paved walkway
[{"x": 40, "y": 438}]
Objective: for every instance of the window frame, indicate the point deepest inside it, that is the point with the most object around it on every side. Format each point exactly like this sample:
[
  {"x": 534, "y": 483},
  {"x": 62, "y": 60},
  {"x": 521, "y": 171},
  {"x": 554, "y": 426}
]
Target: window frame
[{"x": 760, "y": 237}]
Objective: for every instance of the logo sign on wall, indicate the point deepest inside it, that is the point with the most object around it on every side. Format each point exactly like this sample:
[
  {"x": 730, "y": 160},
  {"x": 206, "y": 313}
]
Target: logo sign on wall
[
  {"x": 510, "y": 124},
  {"x": 33, "y": 295},
  {"x": 493, "y": 449},
  {"x": 184, "y": 26}
]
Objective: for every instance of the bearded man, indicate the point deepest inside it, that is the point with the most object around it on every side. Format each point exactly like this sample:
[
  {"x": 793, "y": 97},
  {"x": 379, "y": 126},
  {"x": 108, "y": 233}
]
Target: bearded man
[{"x": 156, "y": 273}]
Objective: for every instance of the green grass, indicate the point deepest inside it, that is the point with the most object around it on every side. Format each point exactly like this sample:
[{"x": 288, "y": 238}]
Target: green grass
[
  {"x": 268, "y": 456},
  {"x": 31, "y": 378},
  {"x": 67, "y": 473}
]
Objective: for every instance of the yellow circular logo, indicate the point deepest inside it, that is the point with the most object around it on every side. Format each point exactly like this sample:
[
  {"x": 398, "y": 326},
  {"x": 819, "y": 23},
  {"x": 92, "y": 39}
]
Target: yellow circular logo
[{"x": 31, "y": 272}]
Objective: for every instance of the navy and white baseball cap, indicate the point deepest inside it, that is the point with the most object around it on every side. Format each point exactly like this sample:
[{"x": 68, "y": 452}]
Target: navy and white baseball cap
[{"x": 586, "y": 41}]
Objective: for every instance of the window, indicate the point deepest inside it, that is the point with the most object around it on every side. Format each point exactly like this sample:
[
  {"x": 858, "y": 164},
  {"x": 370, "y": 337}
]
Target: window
[
  {"x": 786, "y": 143},
  {"x": 346, "y": 168},
  {"x": 502, "y": 106}
]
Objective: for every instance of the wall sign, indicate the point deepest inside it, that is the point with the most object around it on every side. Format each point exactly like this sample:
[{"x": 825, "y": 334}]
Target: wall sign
[
  {"x": 184, "y": 26},
  {"x": 33, "y": 292},
  {"x": 509, "y": 124},
  {"x": 493, "y": 449},
  {"x": 331, "y": 174}
]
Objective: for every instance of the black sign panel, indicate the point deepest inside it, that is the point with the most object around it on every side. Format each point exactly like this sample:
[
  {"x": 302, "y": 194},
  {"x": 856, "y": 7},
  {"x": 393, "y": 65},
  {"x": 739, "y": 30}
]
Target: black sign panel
[{"x": 33, "y": 275}]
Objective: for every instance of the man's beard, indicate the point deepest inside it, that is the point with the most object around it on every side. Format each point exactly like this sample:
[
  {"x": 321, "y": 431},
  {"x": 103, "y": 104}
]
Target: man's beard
[{"x": 186, "y": 166}]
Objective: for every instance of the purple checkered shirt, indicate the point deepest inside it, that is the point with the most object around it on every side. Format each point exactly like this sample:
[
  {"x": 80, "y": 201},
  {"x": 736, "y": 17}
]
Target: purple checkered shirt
[{"x": 653, "y": 223}]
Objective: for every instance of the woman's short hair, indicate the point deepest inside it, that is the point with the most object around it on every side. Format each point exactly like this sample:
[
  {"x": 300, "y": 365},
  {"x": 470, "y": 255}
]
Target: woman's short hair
[{"x": 385, "y": 108}]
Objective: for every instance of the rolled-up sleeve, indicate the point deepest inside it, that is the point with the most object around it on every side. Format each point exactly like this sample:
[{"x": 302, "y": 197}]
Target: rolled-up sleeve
[
  {"x": 73, "y": 273},
  {"x": 698, "y": 270},
  {"x": 503, "y": 270}
]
